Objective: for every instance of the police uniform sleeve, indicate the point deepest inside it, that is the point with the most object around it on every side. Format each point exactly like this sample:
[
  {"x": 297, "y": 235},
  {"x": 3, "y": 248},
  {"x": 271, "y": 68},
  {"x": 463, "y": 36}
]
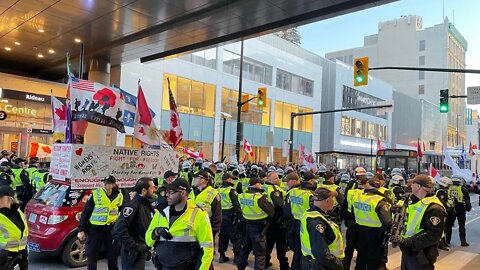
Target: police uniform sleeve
[
  {"x": 340, "y": 197},
  {"x": 319, "y": 233},
  {"x": 124, "y": 221},
  {"x": 236, "y": 204},
  {"x": 216, "y": 214},
  {"x": 84, "y": 222},
  {"x": 384, "y": 213},
  {"x": 204, "y": 237},
  {"x": 25, "y": 177},
  {"x": 150, "y": 239},
  {"x": 162, "y": 199},
  {"x": 466, "y": 195},
  {"x": 266, "y": 206},
  {"x": 432, "y": 225}
]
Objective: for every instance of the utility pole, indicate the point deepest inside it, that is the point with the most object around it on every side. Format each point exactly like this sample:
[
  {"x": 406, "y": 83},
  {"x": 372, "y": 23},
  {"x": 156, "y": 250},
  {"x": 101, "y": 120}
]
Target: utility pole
[{"x": 239, "y": 105}]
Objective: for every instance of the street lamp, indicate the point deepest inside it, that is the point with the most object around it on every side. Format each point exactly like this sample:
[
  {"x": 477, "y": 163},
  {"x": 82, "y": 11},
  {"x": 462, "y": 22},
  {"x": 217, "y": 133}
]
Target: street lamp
[{"x": 225, "y": 116}]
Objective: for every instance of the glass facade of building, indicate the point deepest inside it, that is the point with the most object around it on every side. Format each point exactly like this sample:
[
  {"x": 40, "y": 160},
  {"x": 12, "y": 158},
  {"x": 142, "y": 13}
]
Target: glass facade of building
[{"x": 363, "y": 129}]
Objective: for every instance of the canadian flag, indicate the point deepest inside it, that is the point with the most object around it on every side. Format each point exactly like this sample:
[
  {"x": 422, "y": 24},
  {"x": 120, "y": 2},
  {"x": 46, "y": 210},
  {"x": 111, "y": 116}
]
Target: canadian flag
[
  {"x": 176, "y": 132},
  {"x": 433, "y": 173},
  {"x": 145, "y": 130},
  {"x": 192, "y": 154},
  {"x": 247, "y": 147},
  {"x": 59, "y": 113},
  {"x": 40, "y": 150},
  {"x": 471, "y": 149}
]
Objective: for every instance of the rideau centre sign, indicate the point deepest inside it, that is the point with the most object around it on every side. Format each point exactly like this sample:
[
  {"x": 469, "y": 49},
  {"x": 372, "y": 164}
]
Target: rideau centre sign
[{"x": 9, "y": 109}]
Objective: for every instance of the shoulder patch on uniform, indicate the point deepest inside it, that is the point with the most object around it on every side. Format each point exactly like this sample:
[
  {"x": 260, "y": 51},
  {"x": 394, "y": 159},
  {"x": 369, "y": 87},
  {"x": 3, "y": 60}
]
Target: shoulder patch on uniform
[
  {"x": 320, "y": 228},
  {"x": 127, "y": 211},
  {"x": 435, "y": 220},
  {"x": 386, "y": 207},
  {"x": 277, "y": 193},
  {"x": 217, "y": 197}
]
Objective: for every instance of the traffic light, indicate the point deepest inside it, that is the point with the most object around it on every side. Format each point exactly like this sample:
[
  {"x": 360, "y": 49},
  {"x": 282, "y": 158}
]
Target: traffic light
[
  {"x": 444, "y": 101},
  {"x": 245, "y": 103},
  {"x": 261, "y": 96},
  {"x": 360, "y": 71}
]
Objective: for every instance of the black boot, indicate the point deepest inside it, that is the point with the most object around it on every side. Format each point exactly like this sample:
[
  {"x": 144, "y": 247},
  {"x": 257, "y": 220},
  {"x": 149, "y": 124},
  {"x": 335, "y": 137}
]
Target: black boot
[
  {"x": 464, "y": 244},
  {"x": 223, "y": 258}
]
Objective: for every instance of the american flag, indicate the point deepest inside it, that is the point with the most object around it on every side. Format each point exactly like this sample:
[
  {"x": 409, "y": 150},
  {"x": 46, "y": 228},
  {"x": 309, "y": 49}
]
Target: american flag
[{"x": 82, "y": 84}]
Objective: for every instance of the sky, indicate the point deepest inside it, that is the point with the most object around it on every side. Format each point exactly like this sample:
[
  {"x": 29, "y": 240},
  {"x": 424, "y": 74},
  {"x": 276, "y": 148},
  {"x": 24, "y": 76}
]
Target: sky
[{"x": 347, "y": 31}]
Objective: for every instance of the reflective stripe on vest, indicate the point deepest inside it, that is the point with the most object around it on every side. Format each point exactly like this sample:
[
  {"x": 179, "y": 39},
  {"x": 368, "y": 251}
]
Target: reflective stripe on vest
[
  {"x": 250, "y": 208},
  {"x": 181, "y": 234},
  {"x": 104, "y": 212},
  {"x": 299, "y": 201},
  {"x": 350, "y": 195},
  {"x": 11, "y": 238},
  {"x": 205, "y": 198},
  {"x": 225, "y": 199},
  {"x": 184, "y": 175},
  {"x": 37, "y": 179},
  {"x": 336, "y": 247},
  {"x": 364, "y": 209},
  {"x": 456, "y": 193},
  {"x": 415, "y": 215}
]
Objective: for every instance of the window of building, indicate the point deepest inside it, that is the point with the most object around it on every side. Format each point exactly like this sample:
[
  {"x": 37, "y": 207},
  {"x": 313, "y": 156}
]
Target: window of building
[
  {"x": 255, "y": 115},
  {"x": 421, "y": 60},
  {"x": 362, "y": 129},
  {"x": 294, "y": 83},
  {"x": 283, "y": 116},
  {"x": 252, "y": 70},
  {"x": 421, "y": 45},
  {"x": 206, "y": 58},
  {"x": 191, "y": 97},
  {"x": 421, "y": 89},
  {"x": 421, "y": 75}
]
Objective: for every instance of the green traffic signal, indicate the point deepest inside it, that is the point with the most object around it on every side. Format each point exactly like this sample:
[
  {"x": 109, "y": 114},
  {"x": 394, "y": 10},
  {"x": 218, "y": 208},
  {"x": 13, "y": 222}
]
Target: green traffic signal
[
  {"x": 444, "y": 108},
  {"x": 444, "y": 101},
  {"x": 260, "y": 102}
]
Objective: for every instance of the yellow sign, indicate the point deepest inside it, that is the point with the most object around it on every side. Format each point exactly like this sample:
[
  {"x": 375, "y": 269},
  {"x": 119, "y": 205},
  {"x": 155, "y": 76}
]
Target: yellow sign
[{"x": 19, "y": 110}]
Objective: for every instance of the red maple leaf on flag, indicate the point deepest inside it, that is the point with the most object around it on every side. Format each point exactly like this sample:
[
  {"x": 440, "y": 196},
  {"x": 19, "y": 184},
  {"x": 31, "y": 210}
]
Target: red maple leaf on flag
[
  {"x": 46, "y": 149},
  {"x": 141, "y": 131},
  {"x": 61, "y": 112}
]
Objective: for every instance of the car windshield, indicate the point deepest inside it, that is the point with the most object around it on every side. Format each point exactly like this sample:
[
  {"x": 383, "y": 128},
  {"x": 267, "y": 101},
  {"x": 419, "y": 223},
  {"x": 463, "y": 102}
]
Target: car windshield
[{"x": 56, "y": 194}]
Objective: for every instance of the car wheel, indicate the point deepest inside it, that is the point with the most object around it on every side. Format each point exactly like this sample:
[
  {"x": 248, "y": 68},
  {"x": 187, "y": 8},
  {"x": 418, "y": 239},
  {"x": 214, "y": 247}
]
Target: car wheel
[{"x": 73, "y": 253}]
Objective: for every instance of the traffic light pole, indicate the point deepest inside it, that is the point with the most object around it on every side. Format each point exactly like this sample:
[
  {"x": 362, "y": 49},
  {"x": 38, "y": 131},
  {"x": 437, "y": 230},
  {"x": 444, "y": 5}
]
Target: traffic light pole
[
  {"x": 239, "y": 104},
  {"x": 293, "y": 115},
  {"x": 454, "y": 70}
]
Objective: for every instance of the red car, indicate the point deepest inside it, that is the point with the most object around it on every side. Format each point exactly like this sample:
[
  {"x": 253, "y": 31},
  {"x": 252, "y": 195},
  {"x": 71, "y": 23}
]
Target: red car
[{"x": 52, "y": 217}]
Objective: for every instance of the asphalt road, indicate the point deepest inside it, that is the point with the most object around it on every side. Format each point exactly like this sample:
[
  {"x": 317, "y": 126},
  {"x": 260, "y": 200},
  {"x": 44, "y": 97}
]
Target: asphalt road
[{"x": 463, "y": 258}]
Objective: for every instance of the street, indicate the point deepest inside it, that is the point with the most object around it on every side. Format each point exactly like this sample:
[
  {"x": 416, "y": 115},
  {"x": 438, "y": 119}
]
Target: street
[{"x": 465, "y": 258}]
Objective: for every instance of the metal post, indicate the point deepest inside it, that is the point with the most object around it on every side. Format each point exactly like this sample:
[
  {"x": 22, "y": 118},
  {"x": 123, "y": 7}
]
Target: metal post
[
  {"x": 457, "y": 132},
  {"x": 82, "y": 59},
  {"x": 292, "y": 118},
  {"x": 223, "y": 136},
  {"x": 239, "y": 104},
  {"x": 371, "y": 154}
]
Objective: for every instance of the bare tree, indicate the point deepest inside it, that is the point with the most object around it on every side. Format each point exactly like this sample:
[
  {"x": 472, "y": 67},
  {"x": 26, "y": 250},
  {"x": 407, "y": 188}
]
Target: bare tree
[{"x": 291, "y": 35}]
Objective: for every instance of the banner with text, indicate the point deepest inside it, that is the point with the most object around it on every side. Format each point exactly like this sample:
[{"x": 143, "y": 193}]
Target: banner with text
[{"x": 86, "y": 165}]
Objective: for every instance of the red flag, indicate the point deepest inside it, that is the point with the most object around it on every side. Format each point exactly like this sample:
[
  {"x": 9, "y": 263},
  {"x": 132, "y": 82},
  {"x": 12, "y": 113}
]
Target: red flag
[
  {"x": 247, "y": 147},
  {"x": 433, "y": 173},
  {"x": 176, "y": 132},
  {"x": 419, "y": 150},
  {"x": 380, "y": 145},
  {"x": 145, "y": 130},
  {"x": 192, "y": 154},
  {"x": 470, "y": 149}
]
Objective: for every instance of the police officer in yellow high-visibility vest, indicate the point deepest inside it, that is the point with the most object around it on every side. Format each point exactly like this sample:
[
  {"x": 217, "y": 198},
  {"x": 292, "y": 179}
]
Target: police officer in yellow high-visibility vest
[
  {"x": 98, "y": 217},
  {"x": 442, "y": 194},
  {"x": 181, "y": 233},
  {"x": 298, "y": 201},
  {"x": 13, "y": 232},
  {"x": 168, "y": 178},
  {"x": 329, "y": 184},
  {"x": 39, "y": 177},
  {"x": 321, "y": 238},
  {"x": 461, "y": 199},
  {"x": 373, "y": 218},
  {"x": 423, "y": 228},
  {"x": 207, "y": 198},
  {"x": 257, "y": 211},
  {"x": 21, "y": 180}
]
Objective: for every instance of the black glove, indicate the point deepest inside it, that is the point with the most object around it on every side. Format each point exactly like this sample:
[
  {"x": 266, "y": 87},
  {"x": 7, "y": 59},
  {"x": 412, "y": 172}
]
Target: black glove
[
  {"x": 3, "y": 257},
  {"x": 164, "y": 233},
  {"x": 468, "y": 207},
  {"x": 142, "y": 248}
]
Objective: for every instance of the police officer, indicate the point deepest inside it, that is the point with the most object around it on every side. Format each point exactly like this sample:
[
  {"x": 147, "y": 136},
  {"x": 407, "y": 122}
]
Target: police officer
[
  {"x": 231, "y": 215},
  {"x": 393, "y": 172},
  {"x": 32, "y": 166},
  {"x": 98, "y": 217},
  {"x": 277, "y": 230},
  {"x": 424, "y": 226},
  {"x": 298, "y": 201},
  {"x": 132, "y": 224},
  {"x": 221, "y": 169},
  {"x": 442, "y": 193},
  {"x": 321, "y": 238},
  {"x": 168, "y": 177},
  {"x": 397, "y": 187},
  {"x": 353, "y": 187},
  {"x": 21, "y": 180},
  {"x": 344, "y": 180},
  {"x": 461, "y": 199},
  {"x": 180, "y": 234},
  {"x": 382, "y": 189},
  {"x": 39, "y": 177},
  {"x": 197, "y": 166},
  {"x": 242, "y": 179},
  {"x": 6, "y": 177},
  {"x": 321, "y": 173},
  {"x": 186, "y": 172},
  {"x": 207, "y": 198},
  {"x": 256, "y": 211},
  {"x": 373, "y": 218},
  {"x": 14, "y": 232},
  {"x": 329, "y": 184}
]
